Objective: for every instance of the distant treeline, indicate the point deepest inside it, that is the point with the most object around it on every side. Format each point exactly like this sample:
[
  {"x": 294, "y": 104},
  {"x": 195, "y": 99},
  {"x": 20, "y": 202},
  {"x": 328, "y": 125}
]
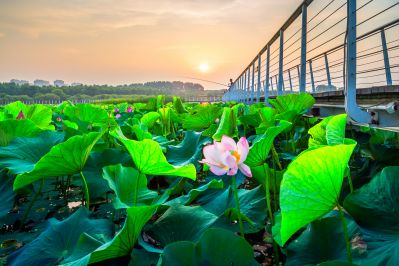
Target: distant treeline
[{"x": 12, "y": 91}]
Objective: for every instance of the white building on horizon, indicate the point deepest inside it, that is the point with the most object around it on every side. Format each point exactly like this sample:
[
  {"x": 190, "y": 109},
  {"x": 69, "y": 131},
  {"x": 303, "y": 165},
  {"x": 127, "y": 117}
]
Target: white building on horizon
[
  {"x": 41, "y": 83},
  {"x": 19, "y": 82},
  {"x": 76, "y": 84},
  {"x": 59, "y": 83}
]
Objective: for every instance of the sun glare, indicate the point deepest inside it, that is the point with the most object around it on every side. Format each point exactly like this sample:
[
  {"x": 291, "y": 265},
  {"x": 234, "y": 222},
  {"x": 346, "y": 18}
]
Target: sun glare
[{"x": 204, "y": 67}]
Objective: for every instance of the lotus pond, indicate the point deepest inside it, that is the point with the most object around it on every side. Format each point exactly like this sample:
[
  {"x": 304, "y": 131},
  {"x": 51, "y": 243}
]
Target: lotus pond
[{"x": 182, "y": 184}]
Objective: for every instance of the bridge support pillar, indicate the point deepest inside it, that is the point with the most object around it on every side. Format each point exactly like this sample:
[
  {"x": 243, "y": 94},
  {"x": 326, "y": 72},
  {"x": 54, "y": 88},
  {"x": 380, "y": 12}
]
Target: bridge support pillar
[
  {"x": 351, "y": 107},
  {"x": 386, "y": 58}
]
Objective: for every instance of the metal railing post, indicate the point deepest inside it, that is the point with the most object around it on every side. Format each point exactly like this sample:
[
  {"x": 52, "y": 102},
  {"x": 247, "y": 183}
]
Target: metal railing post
[
  {"x": 327, "y": 71},
  {"x": 266, "y": 94},
  {"x": 289, "y": 76},
  {"x": 280, "y": 65},
  {"x": 351, "y": 107},
  {"x": 386, "y": 58},
  {"x": 258, "y": 88},
  {"x": 247, "y": 95},
  {"x": 253, "y": 83},
  {"x": 302, "y": 77},
  {"x": 311, "y": 76},
  {"x": 271, "y": 84}
]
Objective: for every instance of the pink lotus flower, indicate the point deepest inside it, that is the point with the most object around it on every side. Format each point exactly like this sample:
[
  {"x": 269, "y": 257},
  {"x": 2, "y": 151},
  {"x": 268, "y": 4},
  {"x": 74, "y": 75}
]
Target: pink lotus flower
[
  {"x": 118, "y": 116},
  {"x": 20, "y": 116},
  {"x": 226, "y": 157},
  {"x": 129, "y": 109},
  {"x": 116, "y": 110}
]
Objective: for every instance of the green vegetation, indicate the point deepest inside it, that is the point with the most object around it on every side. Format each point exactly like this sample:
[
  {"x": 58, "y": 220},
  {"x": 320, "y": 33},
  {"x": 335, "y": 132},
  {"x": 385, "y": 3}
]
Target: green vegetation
[
  {"x": 140, "y": 92},
  {"x": 165, "y": 182}
]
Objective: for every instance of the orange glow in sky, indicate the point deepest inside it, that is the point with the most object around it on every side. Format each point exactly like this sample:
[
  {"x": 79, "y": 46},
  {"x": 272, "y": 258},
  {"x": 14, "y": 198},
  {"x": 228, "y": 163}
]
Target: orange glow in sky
[{"x": 121, "y": 41}]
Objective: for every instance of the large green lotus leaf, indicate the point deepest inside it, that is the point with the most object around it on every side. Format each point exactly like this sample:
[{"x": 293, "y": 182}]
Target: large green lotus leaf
[
  {"x": 64, "y": 159},
  {"x": 298, "y": 103},
  {"x": 222, "y": 204},
  {"x": 180, "y": 223},
  {"x": 196, "y": 192},
  {"x": 93, "y": 170},
  {"x": 331, "y": 131},
  {"x": 148, "y": 158},
  {"x": 374, "y": 205},
  {"x": 267, "y": 116},
  {"x": 216, "y": 247},
  {"x": 275, "y": 177},
  {"x": 129, "y": 185},
  {"x": 6, "y": 194},
  {"x": 318, "y": 133},
  {"x": 227, "y": 126},
  {"x": 335, "y": 131},
  {"x": 149, "y": 119},
  {"x": 41, "y": 115},
  {"x": 178, "y": 105},
  {"x": 87, "y": 114},
  {"x": 375, "y": 208},
  {"x": 202, "y": 118},
  {"x": 259, "y": 150},
  {"x": 11, "y": 129},
  {"x": 59, "y": 239},
  {"x": 22, "y": 153},
  {"x": 123, "y": 243},
  {"x": 311, "y": 186},
  {"x": 13, "y": 109},
  {"x": 252, "y": 120},
  {"x": 165, "y": 121},
  {"x": 311, "y": 248},
  {"x": 188, "y": 151}
]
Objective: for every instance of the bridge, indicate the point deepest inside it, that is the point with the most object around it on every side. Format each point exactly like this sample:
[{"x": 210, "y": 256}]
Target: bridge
[{"x": 343, "y": 52}]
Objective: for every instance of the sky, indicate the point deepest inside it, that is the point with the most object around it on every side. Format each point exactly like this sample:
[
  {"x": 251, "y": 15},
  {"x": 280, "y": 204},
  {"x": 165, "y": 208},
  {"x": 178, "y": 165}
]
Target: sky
[{"x": 122, "y": 42}]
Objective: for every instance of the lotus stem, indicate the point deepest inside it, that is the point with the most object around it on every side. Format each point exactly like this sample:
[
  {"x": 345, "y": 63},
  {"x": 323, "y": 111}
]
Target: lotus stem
[
  {"x": 275, "y": 157},
  {"x": 26, "y": 214},
  {"x": 235, "y": 191},
  {"x": 345, "y": 228},
  {"x": 350, "y": 181},
  {"x": 267, "y": 190},
  {"x": 87, "y": 196},
  {"x": 269, "y": 209}
]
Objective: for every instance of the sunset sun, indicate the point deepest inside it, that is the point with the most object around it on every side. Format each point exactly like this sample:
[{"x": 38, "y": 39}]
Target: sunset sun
[{"x": 204, "y": 67}]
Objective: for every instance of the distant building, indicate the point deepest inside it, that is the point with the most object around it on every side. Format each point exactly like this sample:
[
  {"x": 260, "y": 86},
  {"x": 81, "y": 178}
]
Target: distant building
[
  {"x": 76, "y": 84},
  {"x": 19, "y": 82},
  {"x": 41, "y": 83},
  {"x": 59, "y": 83}
]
